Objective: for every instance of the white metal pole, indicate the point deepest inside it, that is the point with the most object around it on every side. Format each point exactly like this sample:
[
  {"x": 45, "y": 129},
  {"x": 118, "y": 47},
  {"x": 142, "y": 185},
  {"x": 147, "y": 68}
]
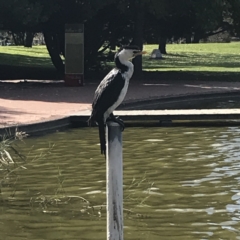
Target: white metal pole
[{"x": 114, "y": 182}]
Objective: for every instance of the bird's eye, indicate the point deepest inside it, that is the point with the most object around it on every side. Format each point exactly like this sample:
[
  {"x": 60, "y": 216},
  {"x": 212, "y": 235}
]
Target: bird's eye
[{"x": 136, "y": 51}]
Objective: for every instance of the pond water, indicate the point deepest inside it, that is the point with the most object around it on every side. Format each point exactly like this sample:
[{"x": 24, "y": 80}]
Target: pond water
[{"x": 179, "y": 183}]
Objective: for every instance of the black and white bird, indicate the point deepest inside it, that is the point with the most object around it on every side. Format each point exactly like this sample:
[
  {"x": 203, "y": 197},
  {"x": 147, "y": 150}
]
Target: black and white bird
[{"x": 112, "y": 90}]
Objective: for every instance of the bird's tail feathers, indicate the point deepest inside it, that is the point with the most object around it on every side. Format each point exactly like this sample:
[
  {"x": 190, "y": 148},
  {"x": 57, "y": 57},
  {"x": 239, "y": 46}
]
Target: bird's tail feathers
[{"x": 91, "y": 120}]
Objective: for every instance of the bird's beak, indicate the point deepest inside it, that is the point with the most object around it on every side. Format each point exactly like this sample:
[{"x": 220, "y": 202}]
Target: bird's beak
[{"x": 139, "y": 53}]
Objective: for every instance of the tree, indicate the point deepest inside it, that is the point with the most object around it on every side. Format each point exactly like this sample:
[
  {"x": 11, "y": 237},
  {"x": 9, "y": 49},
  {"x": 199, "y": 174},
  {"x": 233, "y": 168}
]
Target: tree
[
  {"x": 136, "y": 11},
  {"x": 112, "y": 23},
  {"x": 28, "y": 40},
  {"x": 233, "y": 15},
  {"x": 209, "y": 17},
  {"x": 20, "y": 17}
]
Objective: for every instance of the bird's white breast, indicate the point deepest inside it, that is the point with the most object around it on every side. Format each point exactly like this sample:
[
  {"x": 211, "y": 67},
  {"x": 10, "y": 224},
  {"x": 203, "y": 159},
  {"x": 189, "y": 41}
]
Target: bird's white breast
[{"x": 127, "y": 76}]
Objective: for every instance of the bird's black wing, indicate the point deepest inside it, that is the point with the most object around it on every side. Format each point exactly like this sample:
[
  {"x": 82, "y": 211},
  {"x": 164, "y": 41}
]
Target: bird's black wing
[
  {"x": 105, "y": 96},
  {"x": 108, "y": 91}
]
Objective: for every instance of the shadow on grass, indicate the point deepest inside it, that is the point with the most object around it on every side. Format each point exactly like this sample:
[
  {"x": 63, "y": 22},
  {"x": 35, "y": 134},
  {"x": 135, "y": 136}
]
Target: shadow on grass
[
  {"x": 26, "y": 67},
  {"x": 175, "y": 55},
  {"x": 36, "y": 73},
  {"x": 25, "y": 61}
]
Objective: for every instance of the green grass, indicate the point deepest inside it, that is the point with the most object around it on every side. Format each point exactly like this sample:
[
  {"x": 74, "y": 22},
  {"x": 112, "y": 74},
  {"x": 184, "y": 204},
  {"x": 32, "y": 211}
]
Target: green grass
[
  {"x": 208, "y": 57},
  {"x": 17, "y": 62},
  {"x": 221, "y": 60},
  {"x": 25, "y": 57}
]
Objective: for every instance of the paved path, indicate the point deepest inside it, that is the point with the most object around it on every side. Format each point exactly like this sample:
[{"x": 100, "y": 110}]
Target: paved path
[{"x": 23, "y": 103}]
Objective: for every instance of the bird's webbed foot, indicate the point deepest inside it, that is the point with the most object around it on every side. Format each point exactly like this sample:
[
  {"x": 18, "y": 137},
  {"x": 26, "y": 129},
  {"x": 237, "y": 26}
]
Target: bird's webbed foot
[
  {"x": 120, "y": 122},
  {"x": 117, "y": 120}
]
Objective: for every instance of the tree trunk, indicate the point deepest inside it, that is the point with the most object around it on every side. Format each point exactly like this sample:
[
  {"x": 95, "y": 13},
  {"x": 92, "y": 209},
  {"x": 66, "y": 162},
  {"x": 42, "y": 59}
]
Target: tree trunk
[
  {"x": 138, "y": 35},
  {"x": 196, "y": 39},
  {"x": 188, "y": 38},
  {"x": 199, "y": 34},
  {"x": 162, "y": 45},
  {"x": 14, "y": 39},
  {"x": 28, "y": 39},
  {"x": 54, "y": 51},
  {"x": 18, "y": 38}
]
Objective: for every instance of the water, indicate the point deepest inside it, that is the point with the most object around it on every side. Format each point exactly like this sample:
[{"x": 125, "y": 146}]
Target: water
[{"x": 179, "y": 183}]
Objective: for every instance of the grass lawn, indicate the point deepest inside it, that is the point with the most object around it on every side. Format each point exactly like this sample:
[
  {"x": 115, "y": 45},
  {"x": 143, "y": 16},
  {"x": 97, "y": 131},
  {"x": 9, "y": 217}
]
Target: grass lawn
[
  {"x": 206, "y": 57},
  {"x": 17, "y": 62},
  {"x": 209, "y": 59},
  {"x": 25, "y": 57}
]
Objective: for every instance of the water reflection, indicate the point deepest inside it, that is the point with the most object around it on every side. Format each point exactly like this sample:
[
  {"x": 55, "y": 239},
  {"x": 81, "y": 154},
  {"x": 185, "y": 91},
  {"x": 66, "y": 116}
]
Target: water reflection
[{"x": 179, "y": 183}]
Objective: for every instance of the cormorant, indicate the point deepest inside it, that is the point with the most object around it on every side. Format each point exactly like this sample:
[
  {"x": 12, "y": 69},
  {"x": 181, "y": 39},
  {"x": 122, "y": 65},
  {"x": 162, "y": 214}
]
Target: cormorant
[{"x": 112, "y": 90}]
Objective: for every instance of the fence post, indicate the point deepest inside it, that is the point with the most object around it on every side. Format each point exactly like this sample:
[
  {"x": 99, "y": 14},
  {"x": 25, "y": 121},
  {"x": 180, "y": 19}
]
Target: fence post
[{"x": 114, "y": 182}]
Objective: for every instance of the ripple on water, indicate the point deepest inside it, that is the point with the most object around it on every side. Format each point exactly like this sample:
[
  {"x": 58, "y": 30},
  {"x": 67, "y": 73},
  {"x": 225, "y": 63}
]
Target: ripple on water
[{"x": 178, "y": 184}]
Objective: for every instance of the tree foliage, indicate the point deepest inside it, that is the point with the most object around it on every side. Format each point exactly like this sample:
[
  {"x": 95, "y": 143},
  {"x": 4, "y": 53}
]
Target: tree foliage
[{"x": 111, "y": 23}]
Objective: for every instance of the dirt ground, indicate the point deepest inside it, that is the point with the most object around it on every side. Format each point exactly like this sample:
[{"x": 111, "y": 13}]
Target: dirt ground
[{"x": 23, "y": 102}]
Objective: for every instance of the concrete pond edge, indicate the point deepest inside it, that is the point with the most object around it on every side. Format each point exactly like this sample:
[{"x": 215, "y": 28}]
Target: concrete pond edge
[{"x": 63, "y": 123}]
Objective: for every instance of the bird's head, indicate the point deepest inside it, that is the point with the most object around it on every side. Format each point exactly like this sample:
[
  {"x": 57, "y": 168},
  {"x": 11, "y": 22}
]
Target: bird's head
[{"x": 128, "y": 52}]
